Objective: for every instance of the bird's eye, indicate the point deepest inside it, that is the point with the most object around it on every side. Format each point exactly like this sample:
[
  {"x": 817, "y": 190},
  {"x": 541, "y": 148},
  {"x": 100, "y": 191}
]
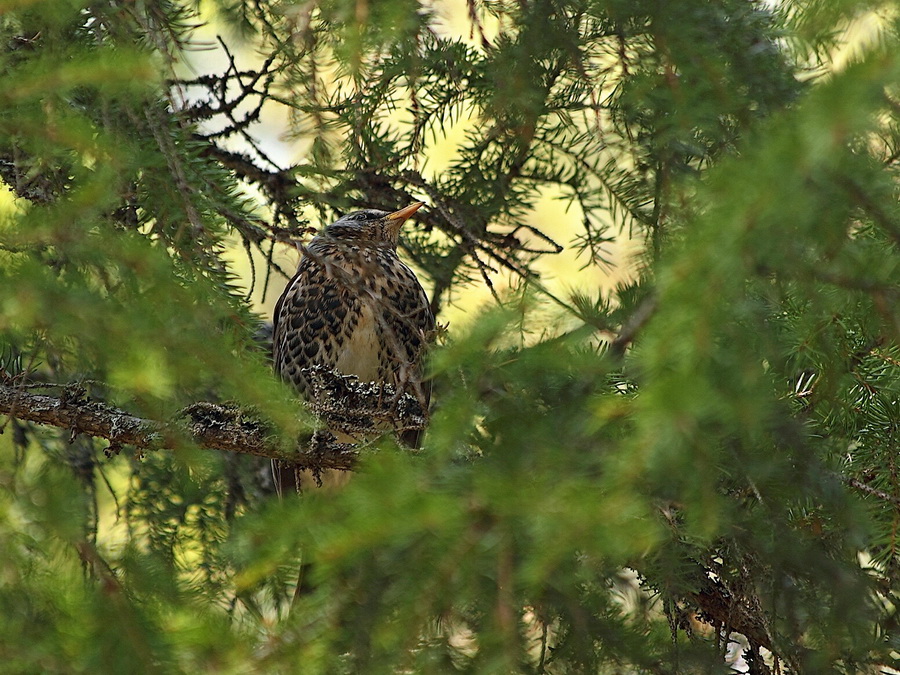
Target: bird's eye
[{"x": 358, "y": 216}]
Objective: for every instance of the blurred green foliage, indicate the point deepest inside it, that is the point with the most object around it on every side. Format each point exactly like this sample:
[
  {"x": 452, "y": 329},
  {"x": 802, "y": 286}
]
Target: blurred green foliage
[{"x": 710, "y": 452}]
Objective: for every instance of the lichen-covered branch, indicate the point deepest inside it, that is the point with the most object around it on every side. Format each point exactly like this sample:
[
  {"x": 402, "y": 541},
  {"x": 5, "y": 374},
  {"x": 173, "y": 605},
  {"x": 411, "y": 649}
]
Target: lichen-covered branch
[
  {"x": 739, "y": 615},
  {"x": 209, "y": 425}
]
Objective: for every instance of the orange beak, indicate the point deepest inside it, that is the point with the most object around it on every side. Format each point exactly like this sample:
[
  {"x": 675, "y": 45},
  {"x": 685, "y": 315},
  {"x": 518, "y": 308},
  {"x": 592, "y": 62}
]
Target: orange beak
[{"x": 404, "y": 213}]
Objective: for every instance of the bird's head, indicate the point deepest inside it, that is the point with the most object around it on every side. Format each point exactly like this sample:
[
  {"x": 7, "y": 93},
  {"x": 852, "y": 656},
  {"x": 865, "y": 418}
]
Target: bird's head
[{"x": 371, "y": 226}]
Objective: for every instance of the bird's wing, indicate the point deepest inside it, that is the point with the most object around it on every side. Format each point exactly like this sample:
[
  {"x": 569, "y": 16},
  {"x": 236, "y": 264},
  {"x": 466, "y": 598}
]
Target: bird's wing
[
  {"x": 409, "y": 312},
  {"x": 411, "y": 325},
  {"x": 280, "y": 303}
]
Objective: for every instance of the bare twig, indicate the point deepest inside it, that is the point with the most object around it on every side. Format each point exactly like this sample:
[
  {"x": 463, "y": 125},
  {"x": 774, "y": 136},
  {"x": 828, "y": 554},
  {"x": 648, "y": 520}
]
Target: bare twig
[{"x": 857, "y": 484}]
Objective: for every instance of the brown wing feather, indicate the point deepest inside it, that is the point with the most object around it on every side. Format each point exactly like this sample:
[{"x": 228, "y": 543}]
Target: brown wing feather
[{"x": 363, "y": 313}]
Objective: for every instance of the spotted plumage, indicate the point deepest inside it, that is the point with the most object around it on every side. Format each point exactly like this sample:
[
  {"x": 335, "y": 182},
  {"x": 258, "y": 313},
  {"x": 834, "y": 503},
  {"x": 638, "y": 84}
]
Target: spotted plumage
[{"x": 354, "y": 307}]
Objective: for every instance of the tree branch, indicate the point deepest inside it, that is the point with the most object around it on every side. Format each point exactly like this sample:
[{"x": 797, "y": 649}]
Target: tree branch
[
  {"x": 719, "y": 606},
  {"x": 715, "y": 602},
  {"x": 857, "y": 484},
  {"x": 632, "y": 326},
  {"x": 209, "y": 425}
]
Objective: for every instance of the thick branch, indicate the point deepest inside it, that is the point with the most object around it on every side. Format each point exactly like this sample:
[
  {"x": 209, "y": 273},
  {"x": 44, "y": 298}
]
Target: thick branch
[
  {"x": 717, "y": 604},
  {"x": 721, "y": 607},
  {"x": 206, "y": 424}
]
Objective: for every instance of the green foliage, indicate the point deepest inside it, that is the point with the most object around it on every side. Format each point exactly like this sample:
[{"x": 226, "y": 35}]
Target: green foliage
[{"x": 709, "y": 452}]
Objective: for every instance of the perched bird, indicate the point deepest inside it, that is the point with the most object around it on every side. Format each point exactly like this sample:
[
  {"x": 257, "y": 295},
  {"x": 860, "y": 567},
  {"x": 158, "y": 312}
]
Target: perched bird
[{"x": 354, "y": 307}]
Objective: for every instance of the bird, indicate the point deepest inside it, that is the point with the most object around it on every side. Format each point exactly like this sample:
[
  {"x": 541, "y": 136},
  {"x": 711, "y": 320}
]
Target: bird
[{"x": 355, "y": 308}]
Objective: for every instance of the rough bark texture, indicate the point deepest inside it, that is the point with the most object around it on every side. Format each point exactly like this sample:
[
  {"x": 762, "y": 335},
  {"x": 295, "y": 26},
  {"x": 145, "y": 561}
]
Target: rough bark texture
[{"x": 208, "y": 425}]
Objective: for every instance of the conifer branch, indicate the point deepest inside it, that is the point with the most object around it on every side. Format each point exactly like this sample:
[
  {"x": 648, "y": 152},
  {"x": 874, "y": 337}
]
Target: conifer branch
[
  {"x": 632, "y": 326},
  {"x": 717, "y": 604},
  {"x": 861, "y": 486},
  {"x": 209, "y": 425}
]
